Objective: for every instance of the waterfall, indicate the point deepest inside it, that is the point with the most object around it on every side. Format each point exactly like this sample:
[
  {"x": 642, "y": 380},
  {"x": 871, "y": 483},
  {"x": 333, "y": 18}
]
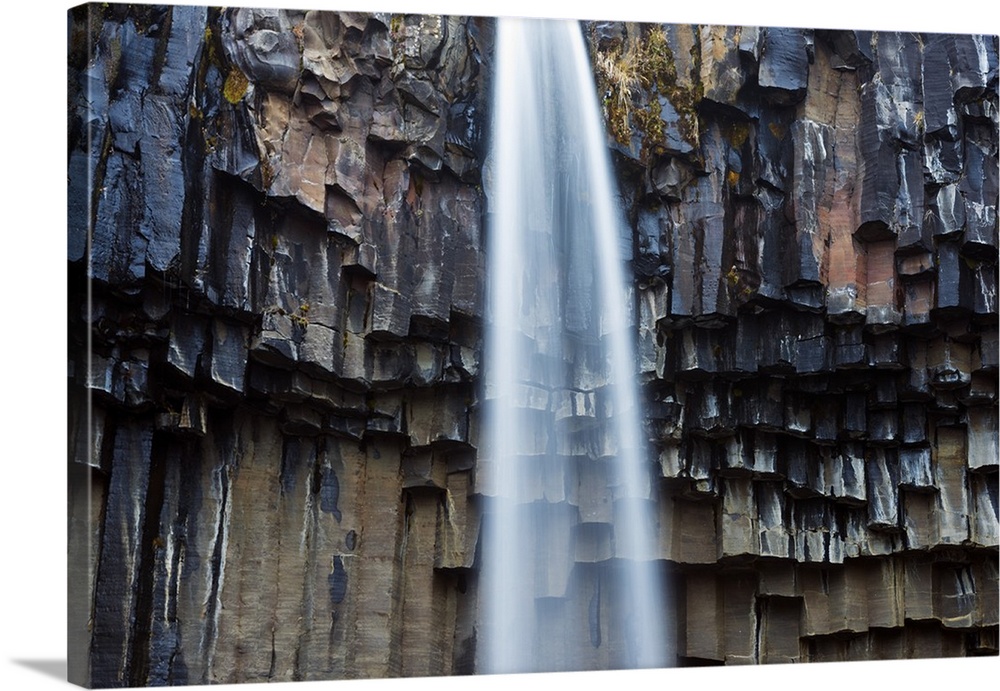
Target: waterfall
[{"x": 561, "y": 404}]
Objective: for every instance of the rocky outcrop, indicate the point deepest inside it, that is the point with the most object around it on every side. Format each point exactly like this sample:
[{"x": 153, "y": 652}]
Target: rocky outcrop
[
  {"x": 275, "y": 372},
  {"x": 286, "y": 265},
  {"x": 816, "y": 329}
]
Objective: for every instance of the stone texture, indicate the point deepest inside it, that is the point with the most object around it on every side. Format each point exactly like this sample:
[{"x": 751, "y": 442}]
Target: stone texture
[{"x": 281, "y": 475}]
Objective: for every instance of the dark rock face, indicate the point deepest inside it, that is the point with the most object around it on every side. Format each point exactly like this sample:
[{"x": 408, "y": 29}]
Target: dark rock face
[{"x": 284, "y": 237}]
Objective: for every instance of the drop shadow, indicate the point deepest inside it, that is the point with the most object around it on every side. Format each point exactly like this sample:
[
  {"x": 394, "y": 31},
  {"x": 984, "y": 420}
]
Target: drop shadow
[{"x": 50, "y": 668}]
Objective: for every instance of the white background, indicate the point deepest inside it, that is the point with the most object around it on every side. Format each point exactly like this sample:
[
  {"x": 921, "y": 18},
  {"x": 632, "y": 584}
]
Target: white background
[{"x": 32, "y": 268}]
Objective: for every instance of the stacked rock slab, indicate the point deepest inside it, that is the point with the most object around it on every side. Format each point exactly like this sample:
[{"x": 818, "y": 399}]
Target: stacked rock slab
[{"x": 277, "y": 277}]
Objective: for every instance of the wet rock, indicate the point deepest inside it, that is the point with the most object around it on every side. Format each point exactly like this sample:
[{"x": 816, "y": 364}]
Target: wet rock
[
  {"x": 940, "y": 116},
  {"x": 773, "y": 151},
  {"x": 984, "y": 528},
  {"x": 653, "y": 230},
  {"x": 979, "y": 188},
  {"x": 812, "y": 149},
  {"x": 946, "y": 213},
  {"x": 899, "y": 66},
  {"x": 227, "y": 362},
  {"x": 883, "y": 479},
  {"x": 880, "y": 181},
  {"x": 264, "y": 48},
  {"x": 943, "y": 160},
  {"x": 949, "y": 476},
  {"x": 122, "y": 549},
  {"x": 853, "y": 47},
  {"x": 677, "y": 135},
  {"x": 391, "y": 312},
  {"x": 973, "y": 62},
  {"x": 288, "y": 255},
  {"x": 784, "y": 63},
  {"x": 773, "y": 228},
  {"x": 721, "y": 72},
  {"x": 982, "y": 437},
  {"x": 952, "y": 295},
  {"x": 984, "y": 289}
]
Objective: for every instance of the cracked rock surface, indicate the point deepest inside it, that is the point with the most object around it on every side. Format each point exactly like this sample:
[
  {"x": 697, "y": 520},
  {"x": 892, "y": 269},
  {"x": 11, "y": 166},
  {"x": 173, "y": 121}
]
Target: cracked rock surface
[{"x": 276, "y": 388}]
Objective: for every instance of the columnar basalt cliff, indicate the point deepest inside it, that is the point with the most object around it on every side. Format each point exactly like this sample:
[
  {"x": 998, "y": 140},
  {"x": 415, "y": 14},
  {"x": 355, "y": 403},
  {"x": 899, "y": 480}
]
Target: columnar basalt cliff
[{"x": 276, "y": 308}]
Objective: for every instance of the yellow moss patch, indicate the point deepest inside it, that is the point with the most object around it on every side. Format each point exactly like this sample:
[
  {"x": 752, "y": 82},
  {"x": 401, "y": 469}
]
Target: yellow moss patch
[
  {"x": 302, "y": 318},
  {"x": 737, "y": 134},
  {"x": 236, "y": 86}
]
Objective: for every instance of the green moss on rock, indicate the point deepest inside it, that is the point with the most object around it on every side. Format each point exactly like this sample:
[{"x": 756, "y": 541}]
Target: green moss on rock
[{"x": 639, "y": 72}]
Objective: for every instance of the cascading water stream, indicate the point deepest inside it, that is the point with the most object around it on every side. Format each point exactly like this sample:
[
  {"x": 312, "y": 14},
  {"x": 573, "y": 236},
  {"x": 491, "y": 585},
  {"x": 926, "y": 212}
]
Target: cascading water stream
[{"x": 560, "y": 371}]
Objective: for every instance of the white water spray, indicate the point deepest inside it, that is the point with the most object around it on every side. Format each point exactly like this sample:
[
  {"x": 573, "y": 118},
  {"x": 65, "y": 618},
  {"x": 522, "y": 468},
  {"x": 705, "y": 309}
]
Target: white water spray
[{"x": 560, "y": 365}]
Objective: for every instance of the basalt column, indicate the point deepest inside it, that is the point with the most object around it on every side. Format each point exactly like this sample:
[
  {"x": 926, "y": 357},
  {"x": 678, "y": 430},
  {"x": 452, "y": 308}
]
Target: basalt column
[{"x": 278, "y": 233}]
